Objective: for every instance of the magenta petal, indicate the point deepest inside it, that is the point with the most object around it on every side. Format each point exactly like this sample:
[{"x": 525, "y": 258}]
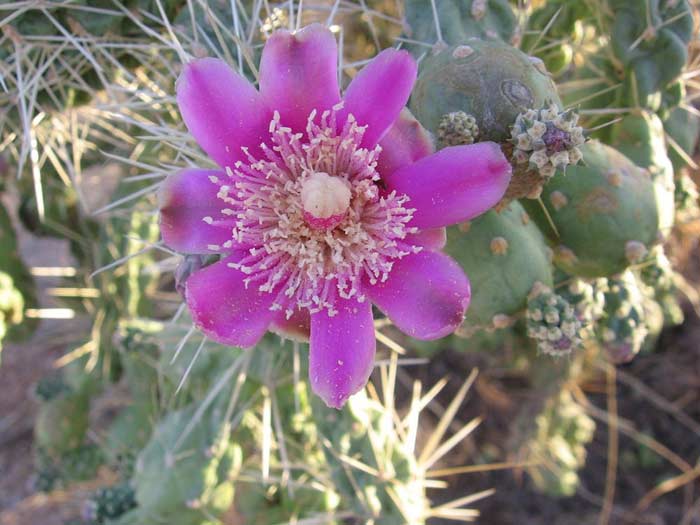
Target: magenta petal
[
  {"x": 425, "y": 296},
  {"x": 379, "y": 92},
  {"x": 224, "y": 308},
  {"x": 453, "y": 185},
  {"x": 299, "y": 73},
  {"x": 186, "y": 198},
  {"x": 404, "y": 143},
  {"x": 342, "y": 351},
  {"x": 222, "y": 110},
  {"x": 432, "y": 238}
]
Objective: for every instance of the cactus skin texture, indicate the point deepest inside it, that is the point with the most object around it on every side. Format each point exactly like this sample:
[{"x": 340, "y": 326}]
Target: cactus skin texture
[
  {"x": 459, "y": 21},
  {"x": 640, "y": 136},
  {"x": 655, "y": 60},
  {"x": 622, "y": 330},
  {"x": 504, "y": 255},
  {"x": 193, "y": 482},
  {"x": 683, "y": 128},
  {"x": 61, "y": 423},
  {"x": 598, "y": 207},
  {"x": 489, "y": 80}
]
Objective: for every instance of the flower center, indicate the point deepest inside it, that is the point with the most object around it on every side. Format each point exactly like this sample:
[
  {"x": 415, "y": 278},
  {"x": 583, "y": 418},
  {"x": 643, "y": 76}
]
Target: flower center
[
  {"x": 313, "y": 221},
  {"x": 325, "y": 200}
]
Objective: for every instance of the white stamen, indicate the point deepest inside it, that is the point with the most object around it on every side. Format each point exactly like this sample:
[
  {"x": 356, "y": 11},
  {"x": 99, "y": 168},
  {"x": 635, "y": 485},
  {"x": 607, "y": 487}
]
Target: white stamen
[{"x": 326, "y": 174}]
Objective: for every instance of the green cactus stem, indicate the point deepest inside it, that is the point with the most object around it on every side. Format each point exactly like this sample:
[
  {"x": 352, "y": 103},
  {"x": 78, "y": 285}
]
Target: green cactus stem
[
  {"x": 595, "y": 210},
  {"x": 505, "y": 255},
  {"x": 489, "y": 80}
]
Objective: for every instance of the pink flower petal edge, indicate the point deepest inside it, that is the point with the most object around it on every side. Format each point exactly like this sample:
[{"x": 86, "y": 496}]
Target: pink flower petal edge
[
  {"x": 453, "y": 185},
  {"x": 299, "y": 73},
  {"x": 341, "y": 352},
  {"x": 224, "y": 308},
  {"x": 222, "y": 110},
  {"x": 186, "y": 198},
  {"x": 425, "y": 296},
  {"x": 379, "y": 92}
]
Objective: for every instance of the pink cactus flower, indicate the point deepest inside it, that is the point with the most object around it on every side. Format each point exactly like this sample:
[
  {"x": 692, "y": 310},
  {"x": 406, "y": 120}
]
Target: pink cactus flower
[{"x": 322, "y": 206}]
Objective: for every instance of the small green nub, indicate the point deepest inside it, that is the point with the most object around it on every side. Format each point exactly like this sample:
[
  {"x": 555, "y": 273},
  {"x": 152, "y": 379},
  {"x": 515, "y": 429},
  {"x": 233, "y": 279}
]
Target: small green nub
[{"x": 457, "y": 128}]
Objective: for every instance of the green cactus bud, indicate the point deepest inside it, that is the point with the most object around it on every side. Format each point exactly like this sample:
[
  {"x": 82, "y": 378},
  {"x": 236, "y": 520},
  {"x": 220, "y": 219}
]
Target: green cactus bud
[
  {"x": 459, "y": 20},
  {"x": 109, "y": 503},
  {"x": 552, "y": 322},
  {"x": 586, "y": 296},
  {"x": 608, "y": 203},
  {"x": 546, "y": 140},
  {"x": 622, "y": 329},
  {"x": 456, "y": 129},
  {"x": 504, "y": 255},
  {"x": 489, "y": 80}
]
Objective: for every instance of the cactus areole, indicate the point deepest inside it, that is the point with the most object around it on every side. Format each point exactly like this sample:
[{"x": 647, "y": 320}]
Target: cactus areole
[{"x": 322, "y": 205}]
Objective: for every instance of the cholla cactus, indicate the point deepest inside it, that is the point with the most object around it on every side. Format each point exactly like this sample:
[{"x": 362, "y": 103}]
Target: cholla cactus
[
  {"x": 207, "y": 425},
  {"x": 558, "y": 445}
]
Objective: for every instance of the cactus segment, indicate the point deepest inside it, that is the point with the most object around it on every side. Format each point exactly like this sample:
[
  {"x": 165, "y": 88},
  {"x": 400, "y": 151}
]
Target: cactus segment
[
  {"x": 504, "y": 255},
  {"x": 489, "y": 80},
  {"x": 609, "y": 202}
]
